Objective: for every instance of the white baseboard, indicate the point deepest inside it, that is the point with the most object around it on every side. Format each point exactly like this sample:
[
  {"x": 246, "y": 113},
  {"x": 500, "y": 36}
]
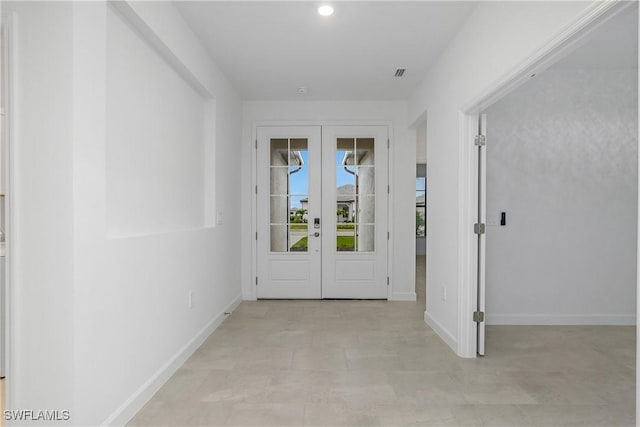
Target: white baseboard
[
  {"x": 442, "y": 332},
  {"x": 137, "y": 400},
  {"x": 403, "y": 296},
  {"x": 561, "y": 319},
  {"x": 246, "y": 296}
]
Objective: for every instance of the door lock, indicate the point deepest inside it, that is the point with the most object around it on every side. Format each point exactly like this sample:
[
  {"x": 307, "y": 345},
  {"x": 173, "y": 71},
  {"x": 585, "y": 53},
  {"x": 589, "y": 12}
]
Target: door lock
[
  {"x": 316, "y": 222},
  {"x": 316, "y": 234}
]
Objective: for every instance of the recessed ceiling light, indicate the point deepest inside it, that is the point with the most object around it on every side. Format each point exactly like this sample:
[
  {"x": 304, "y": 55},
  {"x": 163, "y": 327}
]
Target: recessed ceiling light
[
  {"x": 302, "y": 90},
  {"x": 325, "y": 10}
]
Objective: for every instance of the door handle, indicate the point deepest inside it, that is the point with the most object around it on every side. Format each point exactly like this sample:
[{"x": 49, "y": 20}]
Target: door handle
[{"x": 316, "y": 234}]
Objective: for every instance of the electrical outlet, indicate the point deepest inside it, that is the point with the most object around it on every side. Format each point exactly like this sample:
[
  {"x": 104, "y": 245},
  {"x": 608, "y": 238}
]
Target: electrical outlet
[
  {"x": 191, "y": 293},
  {"x": 444, "y": 293}
]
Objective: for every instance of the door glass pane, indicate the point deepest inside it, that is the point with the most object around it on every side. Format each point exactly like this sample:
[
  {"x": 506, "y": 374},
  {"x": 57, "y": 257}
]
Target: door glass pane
[
  {"x": 289, "y": 189},
  {"x": 345, "y": 151},
  {"x": 279, "y": 176},
  {"x": 345, "y": 237},
  {"x": 365, "y": 152},
  {"x": 279, "y": 152},
  {"x": 346, "y": 181},
  {"x": 298, "y": 237},
  {"x": 279, "y": 238},
  {"x": 366, "y": 209},
  {"x": 298, "y": 209},
  {"x": 366, "y": 238},
  {"x": 366, "y": 180},
  {"x": 279, "y": 210},
  {"x": 420, "y": 221},
  {"x": 355, "y": 194}
]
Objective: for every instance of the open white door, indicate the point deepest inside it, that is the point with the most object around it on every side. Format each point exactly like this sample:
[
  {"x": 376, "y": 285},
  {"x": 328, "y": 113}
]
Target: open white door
[
  {"x": 479, "y": 315},
  {"x": 288, "y": 196},
  {"x": 354, "y": 193}
]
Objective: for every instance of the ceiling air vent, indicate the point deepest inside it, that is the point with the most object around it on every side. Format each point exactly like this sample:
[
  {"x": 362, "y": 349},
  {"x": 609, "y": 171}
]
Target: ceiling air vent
[{"x": 400, "y": 72}]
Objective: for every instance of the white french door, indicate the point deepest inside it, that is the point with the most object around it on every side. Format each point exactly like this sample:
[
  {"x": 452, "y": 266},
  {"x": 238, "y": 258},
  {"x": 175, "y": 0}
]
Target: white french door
[{"x": 322, "y": 198}]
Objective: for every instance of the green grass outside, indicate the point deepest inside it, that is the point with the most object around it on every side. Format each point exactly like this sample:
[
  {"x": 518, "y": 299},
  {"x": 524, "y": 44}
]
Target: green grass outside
[
  {"x": 301, "y": 245},
  {"x": 343, "y": 244},
  {"x": 298, "y": 226}
]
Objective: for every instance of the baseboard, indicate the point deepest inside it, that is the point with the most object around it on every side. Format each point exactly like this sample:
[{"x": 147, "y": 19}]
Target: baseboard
[
  {"x": 403, "y": 296},
  {"x": 442, "y": 332},
  {"x": 561, "y": 319},
  {"x": 246, "y": 296},
  {"x": 137, "y": 400}
]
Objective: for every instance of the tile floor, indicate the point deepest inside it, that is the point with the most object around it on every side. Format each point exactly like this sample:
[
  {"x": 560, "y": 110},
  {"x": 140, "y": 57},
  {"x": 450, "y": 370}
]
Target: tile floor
[{"x": 376, "y": 363}]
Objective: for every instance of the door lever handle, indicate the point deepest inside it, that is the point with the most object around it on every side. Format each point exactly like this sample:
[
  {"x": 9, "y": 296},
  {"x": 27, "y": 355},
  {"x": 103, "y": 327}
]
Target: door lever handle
[{"x": 316, "y": 234}]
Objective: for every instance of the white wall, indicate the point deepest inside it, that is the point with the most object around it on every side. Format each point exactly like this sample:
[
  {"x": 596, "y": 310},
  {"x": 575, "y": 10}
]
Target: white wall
[
  {"x": 402, "y": 178},
  {"x": 496, "y": 38},
  {"x": 41, "y": 370},
  {"x": 102, "y": 320},
  {"x": 562, "y": 163},
  {"x": 155, "y": 141}
]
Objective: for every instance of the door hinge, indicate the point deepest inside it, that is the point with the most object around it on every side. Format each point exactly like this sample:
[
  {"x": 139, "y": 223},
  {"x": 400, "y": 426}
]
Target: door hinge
[
  {"x": 256, "y": 143},
  {"x": 387, "y": 280},
  {"x": 388, "y": 235},
  {"x": 478, "y": 316},
  {"x": 388, "y": 143},
  {"x": 256, "y": 280},
  {"x": 256, "y": 189},
  {"x": 480, "y": 140},
  {"x": 388, "y": 189},
  {"x": 256, "y": 235},
  {"x": 479, "y": 228}
]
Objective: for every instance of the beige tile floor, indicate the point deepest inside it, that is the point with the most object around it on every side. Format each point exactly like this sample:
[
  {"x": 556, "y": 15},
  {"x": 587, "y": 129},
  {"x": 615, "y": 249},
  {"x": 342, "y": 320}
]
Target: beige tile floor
[{"x": 375, "y": 363}]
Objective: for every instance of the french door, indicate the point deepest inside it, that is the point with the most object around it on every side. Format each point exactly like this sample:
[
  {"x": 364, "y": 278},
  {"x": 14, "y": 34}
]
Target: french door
[{"x": 322, "y": 198}]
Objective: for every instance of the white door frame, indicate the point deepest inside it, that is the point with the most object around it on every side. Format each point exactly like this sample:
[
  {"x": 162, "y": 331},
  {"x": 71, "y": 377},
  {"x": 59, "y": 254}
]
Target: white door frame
[
  {"x": 9, "y": 31},
  {"x": 254, "y": 201},
  {"x": 563, "y": 44}
]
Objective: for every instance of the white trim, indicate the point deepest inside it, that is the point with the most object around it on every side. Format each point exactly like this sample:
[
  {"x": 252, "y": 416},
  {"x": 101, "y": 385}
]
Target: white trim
[
  {"x": 10, "y": 31},
  {"x": 253, "y": 295},
  {"x": 140, "y": 397},
  {"x": 403, "y": 296},
  {"x": 557, "y": 47},
  {"x": 445, "y": 335},
  {"x": 561, "y": 319}
]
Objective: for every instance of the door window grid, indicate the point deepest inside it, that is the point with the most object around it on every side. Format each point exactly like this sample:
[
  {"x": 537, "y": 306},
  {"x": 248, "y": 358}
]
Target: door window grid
[
  {"x": 289, "y": 187},
  {"x": 355, "y": 195}
]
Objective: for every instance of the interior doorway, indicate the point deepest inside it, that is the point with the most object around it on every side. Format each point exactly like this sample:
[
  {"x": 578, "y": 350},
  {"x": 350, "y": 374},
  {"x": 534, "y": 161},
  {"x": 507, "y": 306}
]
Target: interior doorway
[
  {"x": 322, "y": 212},
  {"x": 557, "y": 223}
]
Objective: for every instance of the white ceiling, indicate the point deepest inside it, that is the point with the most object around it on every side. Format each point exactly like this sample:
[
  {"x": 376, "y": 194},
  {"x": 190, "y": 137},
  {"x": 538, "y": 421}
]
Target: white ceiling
[
  {"x": 269, "y": 49},
  {"x": 613, "y": 45}
]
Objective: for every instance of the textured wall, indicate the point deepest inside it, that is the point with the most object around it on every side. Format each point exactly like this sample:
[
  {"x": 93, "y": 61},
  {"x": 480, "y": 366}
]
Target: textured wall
[{"x": 562, "y": 162}]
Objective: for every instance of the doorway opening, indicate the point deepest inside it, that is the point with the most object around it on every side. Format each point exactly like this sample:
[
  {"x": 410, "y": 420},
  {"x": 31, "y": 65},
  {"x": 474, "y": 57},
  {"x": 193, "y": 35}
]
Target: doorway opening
[
  {"x": 560, "y": 207},
  {"x": 473, "y": 213}
]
